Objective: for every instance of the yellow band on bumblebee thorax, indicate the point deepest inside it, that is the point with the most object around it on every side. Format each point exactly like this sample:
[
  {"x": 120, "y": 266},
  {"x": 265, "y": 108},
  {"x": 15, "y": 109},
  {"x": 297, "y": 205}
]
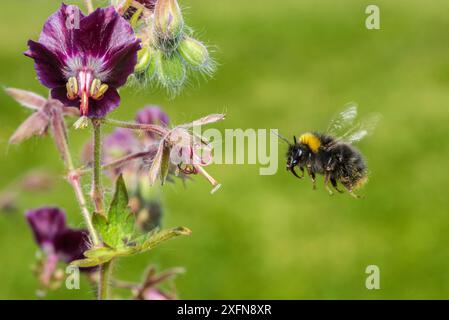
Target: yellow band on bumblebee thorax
[{"x": 311, "y": 140}]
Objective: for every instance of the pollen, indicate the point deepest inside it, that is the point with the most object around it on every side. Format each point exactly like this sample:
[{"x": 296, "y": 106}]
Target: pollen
[
  {"x": 311, "y": 140},
  {"x": 98, "y": 89},
  {"x": 361, "y": 182},
  {"x": 72, "y": 88}
]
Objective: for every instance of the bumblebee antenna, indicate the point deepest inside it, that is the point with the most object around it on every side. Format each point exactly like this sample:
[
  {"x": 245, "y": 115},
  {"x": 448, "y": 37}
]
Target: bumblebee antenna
[
  {"x": 280, "y": 136},
  {"x": 294, "y": 139}
]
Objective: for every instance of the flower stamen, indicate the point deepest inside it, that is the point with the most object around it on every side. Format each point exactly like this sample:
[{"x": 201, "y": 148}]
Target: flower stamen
[
  {"x": 72, "y": 88},
  {"x": 84, "y": 87},
  {"x": 98, "y": 89}
]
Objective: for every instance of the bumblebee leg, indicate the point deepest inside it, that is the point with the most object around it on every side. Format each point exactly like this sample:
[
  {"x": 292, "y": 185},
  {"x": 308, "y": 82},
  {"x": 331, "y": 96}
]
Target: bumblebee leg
[
  {"x": 355, "y": 196},
  {"x": 351, "y": 192},
  {"x": 312, "y": 177},
  {"x": 302, "y": 172},
  {"x": 326, "y": 183},
  {"x": 334, "y": 184},
  {"x": 292, "y": 170}
]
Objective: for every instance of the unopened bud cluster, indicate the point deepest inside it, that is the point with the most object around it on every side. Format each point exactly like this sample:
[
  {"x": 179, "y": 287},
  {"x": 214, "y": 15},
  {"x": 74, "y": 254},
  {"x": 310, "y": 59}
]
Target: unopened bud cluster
[{"x": 169, "y": 53}]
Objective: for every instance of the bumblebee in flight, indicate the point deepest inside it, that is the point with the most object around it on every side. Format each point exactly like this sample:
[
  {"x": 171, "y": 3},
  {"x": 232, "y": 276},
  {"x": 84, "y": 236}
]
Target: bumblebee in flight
[{"x": 332, "y": 153}]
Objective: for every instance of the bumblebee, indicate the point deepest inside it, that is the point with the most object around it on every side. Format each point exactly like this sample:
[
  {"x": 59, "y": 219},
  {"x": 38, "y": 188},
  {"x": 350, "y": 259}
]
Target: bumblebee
[{"x": 332, "y": 154}]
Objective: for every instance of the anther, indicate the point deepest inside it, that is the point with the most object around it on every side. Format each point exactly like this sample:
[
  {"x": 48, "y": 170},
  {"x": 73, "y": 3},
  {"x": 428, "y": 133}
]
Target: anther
[
  {"x": 72, "y": 88},
  {"x": 98, "y": 89}
]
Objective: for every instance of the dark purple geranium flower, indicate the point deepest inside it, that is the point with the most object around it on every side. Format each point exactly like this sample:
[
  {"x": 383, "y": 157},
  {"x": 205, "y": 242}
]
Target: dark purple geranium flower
[
  {"x": 54, "y": 237},
  {"x": 152, "y": 115},
  {"x": 84, "y": 59},
  {"x": 121, "y": 142}
]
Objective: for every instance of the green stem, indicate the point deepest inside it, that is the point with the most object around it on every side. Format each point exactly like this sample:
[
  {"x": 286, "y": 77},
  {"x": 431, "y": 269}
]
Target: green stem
[
  {"x": 103, "y": 285},
  {"x": 97, "y": 193},
  {"x": 97, "y": 198},
  {"x": 74, "y": 181}
]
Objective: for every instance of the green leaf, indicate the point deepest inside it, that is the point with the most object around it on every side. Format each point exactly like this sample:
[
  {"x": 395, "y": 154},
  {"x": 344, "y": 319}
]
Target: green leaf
[
  {"x": 162, "y": 236},
  {"x": 99, "y": 253},
  {"x": 98, "y": 256},
  {"x": 91, "y": 262},
  {"x": 101, "y": 224},
  {"x": 118, "y": 227},
  {"x": 118, "y": 213}
]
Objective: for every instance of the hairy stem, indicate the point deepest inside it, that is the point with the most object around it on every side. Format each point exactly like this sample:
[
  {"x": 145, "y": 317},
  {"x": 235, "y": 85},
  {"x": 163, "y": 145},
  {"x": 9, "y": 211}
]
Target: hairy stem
[
  {"x": 61, "y": 140},
  {"x": 136, "y": 126},
  {"x": 120, "y": 162},
  {"x": 97, "y": 193},
  {"x": 74, "y": 181},
  {"x": 103, "y": 285},
  {"x": 97, "y": 198},
  {"x": 124, "y": 284}
]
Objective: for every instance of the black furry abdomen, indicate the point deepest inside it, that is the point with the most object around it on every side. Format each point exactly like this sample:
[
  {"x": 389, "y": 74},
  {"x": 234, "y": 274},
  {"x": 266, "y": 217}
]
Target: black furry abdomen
[{"x": 342, "y": 161}]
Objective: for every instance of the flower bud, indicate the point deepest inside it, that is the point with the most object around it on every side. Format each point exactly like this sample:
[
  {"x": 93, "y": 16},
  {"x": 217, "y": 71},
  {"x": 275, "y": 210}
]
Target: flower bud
[
  {"x": 143, "y": 60},
  {"x": 194, "y": 52},
  {"x": 168, "y": 20},
  {"x": 171, "y": 71},
  {"x": 151, "y": 68}
]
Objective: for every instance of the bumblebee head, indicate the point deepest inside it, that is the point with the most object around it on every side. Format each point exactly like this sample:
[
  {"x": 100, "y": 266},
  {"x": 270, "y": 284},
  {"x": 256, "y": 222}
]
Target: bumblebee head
[{"x": 297, "y": 154}]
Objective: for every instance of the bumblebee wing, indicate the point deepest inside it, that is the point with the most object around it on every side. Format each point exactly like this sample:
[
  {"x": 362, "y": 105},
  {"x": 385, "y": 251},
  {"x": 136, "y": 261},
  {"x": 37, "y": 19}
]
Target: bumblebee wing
[
  {"x": 362, "y": 129},
  {"x": 342, "y": 121}
]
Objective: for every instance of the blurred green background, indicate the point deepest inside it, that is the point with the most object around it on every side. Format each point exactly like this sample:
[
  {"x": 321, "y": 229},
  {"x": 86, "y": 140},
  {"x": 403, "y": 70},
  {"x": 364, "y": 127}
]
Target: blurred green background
[{"x": 290, "y": 65}]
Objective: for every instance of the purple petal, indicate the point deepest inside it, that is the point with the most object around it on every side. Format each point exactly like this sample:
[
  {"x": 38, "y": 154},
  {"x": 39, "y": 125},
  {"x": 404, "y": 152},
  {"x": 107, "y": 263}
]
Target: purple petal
[
  {"x": 48, "y": 67},
  {"x": 56, "y": 45},
  {"x": 152, "y": 115},
  {"x": 59, "y": 32},
  {"x": 120, "y": 65},
  {"x": 120, "y": 143},
  {"x": 104, "y": 33},
  {"x": 46, "y": 223},
  {"x": 71, "y": 244},
  {"x": 97, "y": 108},
  {"x": 60, "y": 93}
]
